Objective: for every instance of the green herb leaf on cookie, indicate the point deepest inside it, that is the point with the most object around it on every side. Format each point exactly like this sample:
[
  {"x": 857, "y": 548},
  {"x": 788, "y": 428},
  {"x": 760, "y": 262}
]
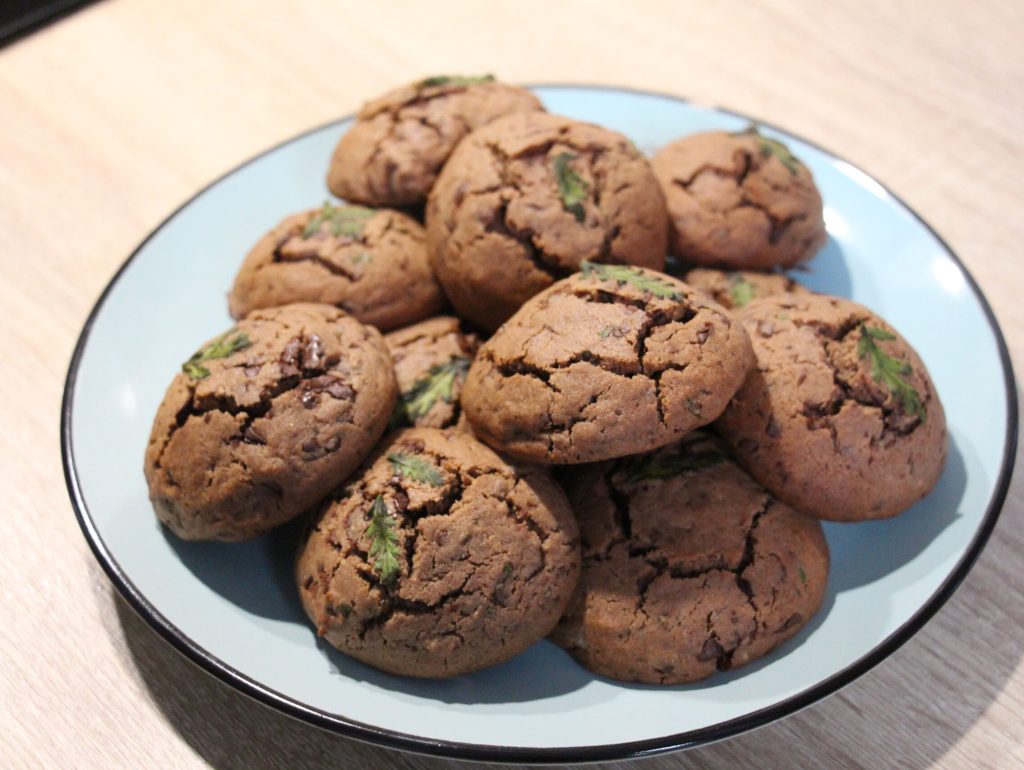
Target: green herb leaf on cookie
[
  {"x": 572, "y": 188},
  {"x": 622, "y": 275},
  {"x": 425, "y": 392},
  {"x": 888, "y": 370},
  {"x": 674, "y": 466},
  {"x": 415, "y": 468},
  {"x": 342, "y": 220},
  {"x": 773, "y": 147},
  {"x": 383, "y": 542},
  {"x": 741, "y": 291},
  {"x": 460, "y": 81},
  {"x": 222, "y": 347}
]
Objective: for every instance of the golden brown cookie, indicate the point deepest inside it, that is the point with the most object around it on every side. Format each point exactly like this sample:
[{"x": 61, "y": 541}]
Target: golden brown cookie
[
  {"x": 265, "y": 420},
  {"x": 840, "y": 418},
  {"x": 524, "y": 200},
  {"x": 393, "y": 152},
  {"x": 371, "y": 263},
  {"x": 688, "y": 566},
  {"x": 740, "y": 201},
  {"x": 431, "y": 360},
  {"x": 439, "y": 558},
  {"x": 733, "y": 289},
  {"x": 611, "y": 361}
]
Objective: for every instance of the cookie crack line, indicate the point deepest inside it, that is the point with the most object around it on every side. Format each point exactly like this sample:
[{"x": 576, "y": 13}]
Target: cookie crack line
[{"x": 316, "y": 258}]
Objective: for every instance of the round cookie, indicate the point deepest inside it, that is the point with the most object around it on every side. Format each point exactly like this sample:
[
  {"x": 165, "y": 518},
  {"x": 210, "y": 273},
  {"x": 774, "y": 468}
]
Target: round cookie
[
  {"x": 688, "y": 566},
  {"x": 611, "y": 361},
  {"x": 526, "y": 199},
  {"x": 839, "y": 418},
  {"x": 431, "y": 360},
  {"x": 440, "y": 558},
  {"x": 265, "y": 420},
  {"x": 740, "y": 201},
  {"x": 393, "y": 152},
  {"x": 371, "y": 263},
  {"x": 732, "y": 289}
]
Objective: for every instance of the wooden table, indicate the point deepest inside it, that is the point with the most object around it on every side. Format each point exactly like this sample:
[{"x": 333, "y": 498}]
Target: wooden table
[{"x": 115, "y": 115}]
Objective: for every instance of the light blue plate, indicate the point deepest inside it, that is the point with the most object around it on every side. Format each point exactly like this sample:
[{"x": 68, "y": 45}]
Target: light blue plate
[{"x": 233, "y": 608}]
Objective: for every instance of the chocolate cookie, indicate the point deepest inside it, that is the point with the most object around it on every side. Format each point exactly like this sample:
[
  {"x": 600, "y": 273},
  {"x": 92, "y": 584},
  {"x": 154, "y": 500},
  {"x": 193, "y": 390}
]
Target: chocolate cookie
[
  {"x": 431, "y": 360},
  {"x": 739, "y": 201},
  {"x": 840, "y": 418},
  {"x": 732, "y": 289},
  {"x": 393, "y": 152},
  {"x": 611, "y": 361},
  {"x": 524, "y": 200},
  {"x": 265, "y": 420},
  {"x": 372, "y": 263},
  {"x": 440, "y": 558},
  {"x": 688, "y": 566}
]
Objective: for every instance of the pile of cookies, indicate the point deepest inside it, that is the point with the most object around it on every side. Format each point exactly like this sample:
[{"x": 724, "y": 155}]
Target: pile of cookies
[{"x": 510, "y": 422}]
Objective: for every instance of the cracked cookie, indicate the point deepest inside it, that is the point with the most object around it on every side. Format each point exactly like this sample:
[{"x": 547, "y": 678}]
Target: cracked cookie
[
  {"x": 733, "y": 289},
  {"x": 265, "y": 420},
  {"x": 688, "y": 566},
  {"x": 431, "y": 360},
  {"x": 611, "y": 361},
  {"x": 524, "y": 200},
  {"x": 371, "y": 263},
  {"x": 440, "y": 558},
  {"x": 739, "y": 201},
  {"x": 840, "y": 418},
  {"x": 393, "y": 152}
]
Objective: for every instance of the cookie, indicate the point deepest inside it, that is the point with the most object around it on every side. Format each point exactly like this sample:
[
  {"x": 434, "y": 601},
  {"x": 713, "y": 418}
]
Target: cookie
[
  {"x": 371, "y": 263},
  {"x": 689, "y": 566},
  {"x": 733, "y": 289},
  {"x": 526, "y": 199},
  {"x": 739, "y": 201},
  {"x": 265, "y": 420},
  {"x": 440, "y": 558},
  {"x": 840, "y": 418},
  {"x": 431, "y": 360},
  {"x": 611, "y": 361},
  {"x": 393, "y": 152}
]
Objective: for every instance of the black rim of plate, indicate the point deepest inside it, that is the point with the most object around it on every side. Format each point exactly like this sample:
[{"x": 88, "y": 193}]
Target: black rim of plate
[{"x": 525, "y": 754}]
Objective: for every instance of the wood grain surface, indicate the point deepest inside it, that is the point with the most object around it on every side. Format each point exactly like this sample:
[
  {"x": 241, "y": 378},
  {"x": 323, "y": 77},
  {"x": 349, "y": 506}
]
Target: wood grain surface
[{"x": 115, "y": 115}]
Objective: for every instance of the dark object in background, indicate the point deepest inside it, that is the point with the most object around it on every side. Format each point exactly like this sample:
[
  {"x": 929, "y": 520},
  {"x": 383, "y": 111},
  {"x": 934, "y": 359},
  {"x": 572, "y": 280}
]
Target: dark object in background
[{"x": 20, "y": 17}]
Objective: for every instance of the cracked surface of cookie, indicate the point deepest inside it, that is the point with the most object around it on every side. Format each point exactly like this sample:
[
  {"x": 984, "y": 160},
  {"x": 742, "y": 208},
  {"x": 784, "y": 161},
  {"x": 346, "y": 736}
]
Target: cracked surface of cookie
[
  {"x": 840, "y": 418},
  {"x": 484, "y": 557},
  {"x": 371, "y": 263},
  {"x": 733, "y": 289},
  {"x": 611, "y": 361},
  {"x": 524, "y": 200},
  {"x": 739, "y": 201},
  {"x": 689, "y": 566},
  {"x": 264, "y": 421},
  {"x": 431, "y": 361},
  {"x": 393, "y": 152}
]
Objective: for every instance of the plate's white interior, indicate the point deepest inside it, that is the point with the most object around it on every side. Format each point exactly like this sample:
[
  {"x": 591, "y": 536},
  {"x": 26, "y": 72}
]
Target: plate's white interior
[{"x": 238, "y": 603}]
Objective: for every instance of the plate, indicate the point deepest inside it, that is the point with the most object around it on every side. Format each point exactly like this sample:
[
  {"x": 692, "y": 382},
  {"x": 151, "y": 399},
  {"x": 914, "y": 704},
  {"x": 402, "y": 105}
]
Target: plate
[{"x": 233, "y": 608}]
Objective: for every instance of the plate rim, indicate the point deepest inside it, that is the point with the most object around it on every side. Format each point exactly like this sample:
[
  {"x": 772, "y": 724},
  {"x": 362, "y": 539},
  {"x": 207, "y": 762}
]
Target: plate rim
[{"x": 387, "y": 738}]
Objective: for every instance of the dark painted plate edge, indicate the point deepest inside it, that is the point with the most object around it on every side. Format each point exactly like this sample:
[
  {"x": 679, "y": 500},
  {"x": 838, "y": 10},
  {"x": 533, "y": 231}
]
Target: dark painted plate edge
[{"x": 539, "y": 755}]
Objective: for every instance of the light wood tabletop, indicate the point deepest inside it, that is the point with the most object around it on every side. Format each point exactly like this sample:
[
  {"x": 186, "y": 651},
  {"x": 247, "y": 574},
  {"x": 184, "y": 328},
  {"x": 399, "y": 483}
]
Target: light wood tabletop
[{"x": 115, "y": 115}]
